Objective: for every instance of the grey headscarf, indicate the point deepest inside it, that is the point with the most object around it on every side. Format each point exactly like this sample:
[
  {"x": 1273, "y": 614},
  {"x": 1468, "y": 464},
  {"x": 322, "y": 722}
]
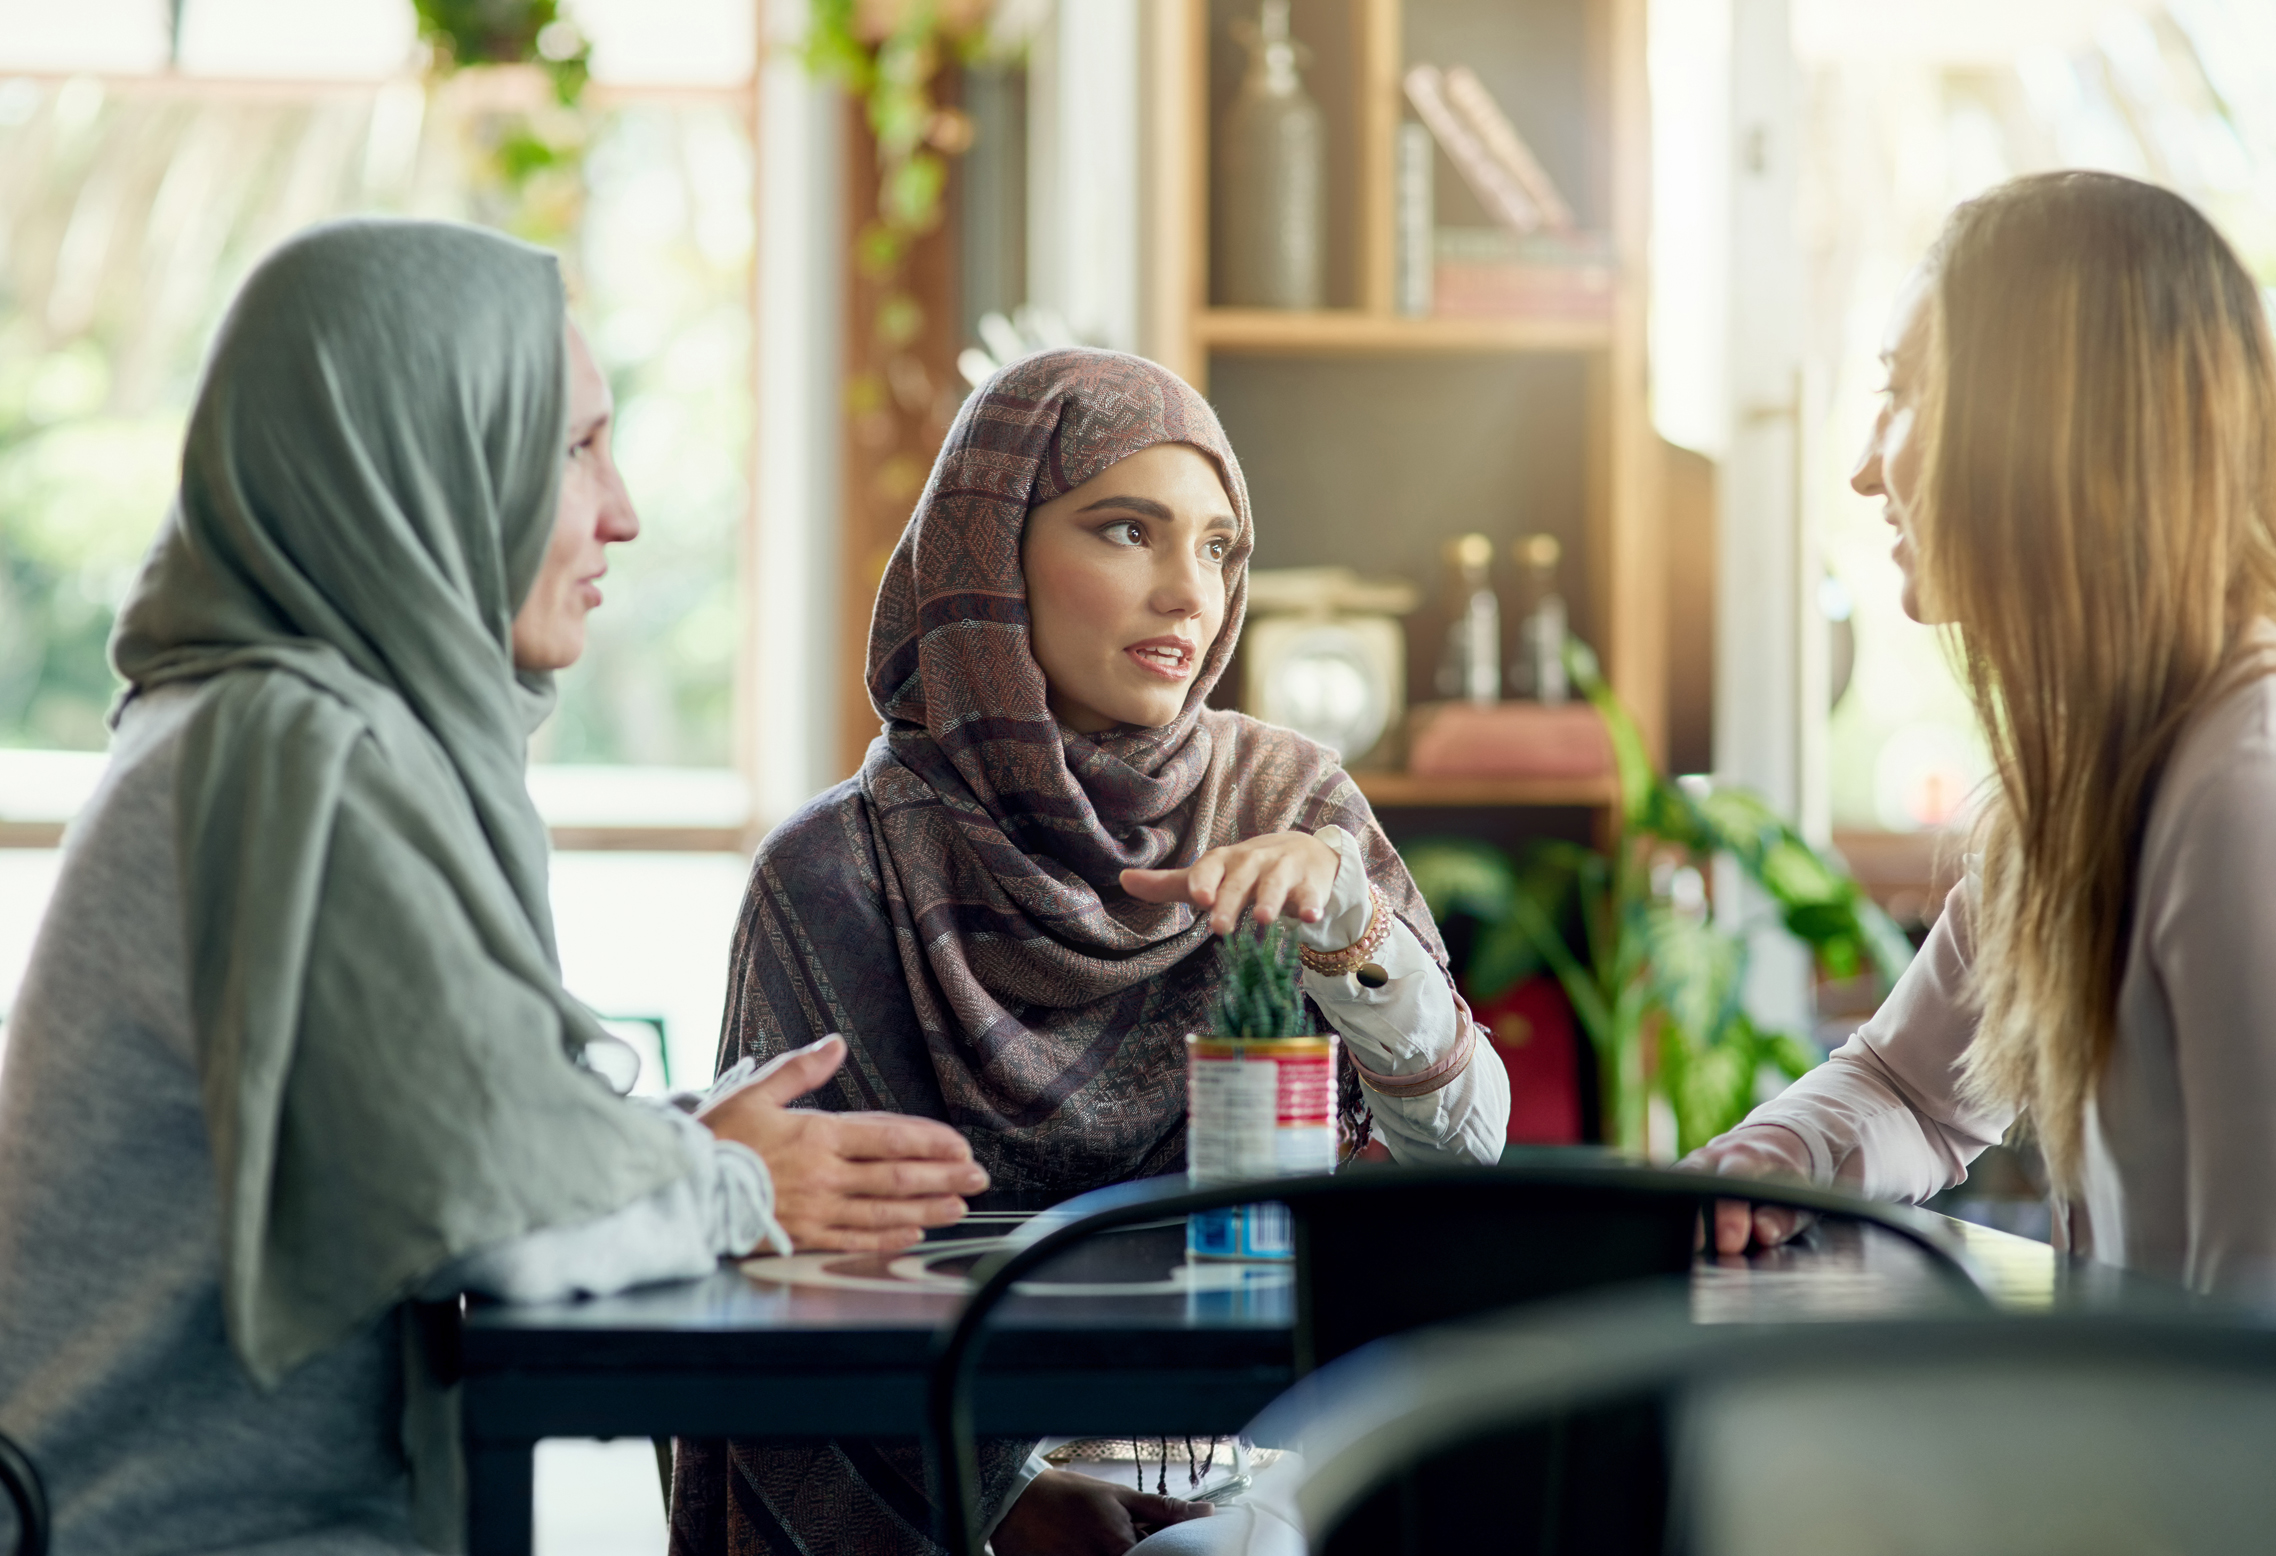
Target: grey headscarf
[{"x": 392, "y": 1071}]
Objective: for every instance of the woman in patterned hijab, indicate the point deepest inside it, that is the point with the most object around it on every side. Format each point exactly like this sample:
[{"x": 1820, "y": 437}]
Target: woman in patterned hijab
[{"x": 1010, "y": 912}]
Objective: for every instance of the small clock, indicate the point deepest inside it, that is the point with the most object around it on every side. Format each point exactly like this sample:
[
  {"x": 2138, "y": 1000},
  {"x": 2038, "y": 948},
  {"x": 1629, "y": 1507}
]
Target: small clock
[{"x": 1326, "y": 656}]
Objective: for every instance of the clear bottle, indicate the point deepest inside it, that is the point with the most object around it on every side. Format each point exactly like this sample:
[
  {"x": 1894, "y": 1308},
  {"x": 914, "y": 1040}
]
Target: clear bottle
[
  {"x": 1272, "y": 150},
  {"x": 1538, "y": 671},
  {"x": 1470, "y": 668}
]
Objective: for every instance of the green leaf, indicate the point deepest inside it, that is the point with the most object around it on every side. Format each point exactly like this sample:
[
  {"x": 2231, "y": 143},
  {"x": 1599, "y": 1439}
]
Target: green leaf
[
  {"x": 1589, "y": 1003},
  {"x": 1461, "y": 875},
  {"x": 1502, "y": 957},
  {"x": 1793, "y": 1057},
  {"x": 1629, "y": 758},
  {"x": 1795, "y": 874},
  {"x": 1695, "y": 971}
]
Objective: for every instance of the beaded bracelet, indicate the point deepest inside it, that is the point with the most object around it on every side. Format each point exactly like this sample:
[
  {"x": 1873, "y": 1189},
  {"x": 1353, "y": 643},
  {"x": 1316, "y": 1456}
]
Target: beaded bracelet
[{"x": 1334, "y": 964}]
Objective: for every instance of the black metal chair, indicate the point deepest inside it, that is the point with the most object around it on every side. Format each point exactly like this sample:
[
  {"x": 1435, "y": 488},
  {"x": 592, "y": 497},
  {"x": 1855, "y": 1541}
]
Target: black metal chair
[
  {"x": 29, "y": 1498},
  {"x": 1382, "y": 1251},
  {"x": 2083, "y": 1433}
]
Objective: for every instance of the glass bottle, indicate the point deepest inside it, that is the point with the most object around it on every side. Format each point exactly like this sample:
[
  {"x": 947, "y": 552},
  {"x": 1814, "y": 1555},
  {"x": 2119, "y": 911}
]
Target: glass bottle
[
  {"x": 1272, "y": 177},
  {"x": 1470, "y": 668},
  {"x": 1539, "y": 669}
]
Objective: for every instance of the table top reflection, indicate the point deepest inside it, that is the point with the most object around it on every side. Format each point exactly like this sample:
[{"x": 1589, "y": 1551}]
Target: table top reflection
[
  {"x": 1122, "y": 1337},
  {"x": 1127, "y": 1303}
]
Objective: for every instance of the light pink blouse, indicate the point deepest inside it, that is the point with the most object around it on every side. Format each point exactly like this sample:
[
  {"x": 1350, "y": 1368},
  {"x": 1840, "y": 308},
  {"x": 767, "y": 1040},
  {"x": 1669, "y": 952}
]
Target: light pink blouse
[{"x": 2179, "y": 1178}]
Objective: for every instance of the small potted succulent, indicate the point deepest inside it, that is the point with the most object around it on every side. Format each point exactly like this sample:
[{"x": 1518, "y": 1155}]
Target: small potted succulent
[{"x": 1260, "y": 1095}]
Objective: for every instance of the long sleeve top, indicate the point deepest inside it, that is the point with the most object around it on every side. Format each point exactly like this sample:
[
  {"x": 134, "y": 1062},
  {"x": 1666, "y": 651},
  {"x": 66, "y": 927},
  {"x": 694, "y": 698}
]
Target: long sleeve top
[
  {"x": 115, "y": 1370},
  {"x": 2179, "y": 1174},
  {"x": 1405, "y": 1027}
]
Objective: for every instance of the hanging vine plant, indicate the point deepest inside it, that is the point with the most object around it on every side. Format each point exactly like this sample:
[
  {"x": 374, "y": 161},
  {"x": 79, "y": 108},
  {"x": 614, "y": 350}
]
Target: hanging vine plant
[
  {"x": 888, "y": 55},
  {"x": 528, "y": 164}
]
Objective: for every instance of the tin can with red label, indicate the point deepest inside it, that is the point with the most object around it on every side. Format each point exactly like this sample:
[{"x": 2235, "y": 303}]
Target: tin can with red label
[{"x": 1256, "y": 1107}]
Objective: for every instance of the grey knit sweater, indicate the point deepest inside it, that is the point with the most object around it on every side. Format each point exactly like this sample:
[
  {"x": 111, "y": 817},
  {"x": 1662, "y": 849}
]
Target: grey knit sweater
[{"x": 115, "y": 1372}]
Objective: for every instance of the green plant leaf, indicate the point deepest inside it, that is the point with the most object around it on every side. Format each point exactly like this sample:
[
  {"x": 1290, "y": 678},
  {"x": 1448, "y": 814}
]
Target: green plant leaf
[
  {"x": 1502, "y": 957},
  {"x": 1461, "y": 875},
  {"x": 1796, "y": 875},
  {"x": 1629, "y": 758},
  {"x": 1695, "y": 971}
]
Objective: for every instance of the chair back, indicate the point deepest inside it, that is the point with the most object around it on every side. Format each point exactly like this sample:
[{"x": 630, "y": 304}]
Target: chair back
[
  {"x": 1386, "y": 1252},
  {"x": 2080, "y": 1434},
  {"x": 28, "y": 1497},
  {"x": 1382, "y": 1251}
]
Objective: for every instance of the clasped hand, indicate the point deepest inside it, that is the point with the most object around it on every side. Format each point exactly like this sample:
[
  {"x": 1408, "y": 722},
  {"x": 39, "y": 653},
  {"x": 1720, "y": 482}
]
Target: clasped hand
[
  {"x": 861, "y": 1181},
  {"x": 1291, "y": 873}
]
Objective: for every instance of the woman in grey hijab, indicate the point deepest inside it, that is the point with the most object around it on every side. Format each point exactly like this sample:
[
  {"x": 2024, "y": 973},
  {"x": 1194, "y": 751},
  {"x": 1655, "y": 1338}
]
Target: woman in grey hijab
[{"x": 293, "y": 1046}]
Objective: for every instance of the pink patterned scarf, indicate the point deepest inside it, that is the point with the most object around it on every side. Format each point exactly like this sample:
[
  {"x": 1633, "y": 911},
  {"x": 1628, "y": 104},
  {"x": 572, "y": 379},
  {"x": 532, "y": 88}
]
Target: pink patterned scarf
[{"x": 1053, "y": 1006}]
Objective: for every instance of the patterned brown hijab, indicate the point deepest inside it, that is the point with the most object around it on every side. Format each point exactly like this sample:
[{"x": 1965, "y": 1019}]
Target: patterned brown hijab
[
  {"x": 1053, "y": 1005},
  {"x": 955, "y": 911}
]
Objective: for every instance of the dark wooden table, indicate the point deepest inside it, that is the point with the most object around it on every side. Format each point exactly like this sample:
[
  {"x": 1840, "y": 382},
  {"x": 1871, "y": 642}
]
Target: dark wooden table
[{"x": 738, "y": 1354}]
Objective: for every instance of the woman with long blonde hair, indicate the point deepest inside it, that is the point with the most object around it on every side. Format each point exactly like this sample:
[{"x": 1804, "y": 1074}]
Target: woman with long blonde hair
[{"x": 2075, "y": 455}]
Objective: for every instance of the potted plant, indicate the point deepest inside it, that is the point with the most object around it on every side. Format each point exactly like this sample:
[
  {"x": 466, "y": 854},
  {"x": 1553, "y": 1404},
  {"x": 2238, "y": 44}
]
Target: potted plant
[
  {"x": 1260, "y": 1095},
  {"x": 1647, "y": 971}
]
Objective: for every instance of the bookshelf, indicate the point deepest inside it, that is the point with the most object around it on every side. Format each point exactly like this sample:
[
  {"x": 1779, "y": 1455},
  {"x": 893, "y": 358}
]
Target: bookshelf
[{"x": 1368, "y": 436}]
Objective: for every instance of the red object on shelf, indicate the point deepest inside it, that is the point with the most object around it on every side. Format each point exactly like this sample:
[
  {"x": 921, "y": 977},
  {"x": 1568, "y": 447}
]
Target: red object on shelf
[
  {"x": 1508, "y": 740},
  {"x": 1540, "y": 1046},
  {"x": 1464, "y": 289}
]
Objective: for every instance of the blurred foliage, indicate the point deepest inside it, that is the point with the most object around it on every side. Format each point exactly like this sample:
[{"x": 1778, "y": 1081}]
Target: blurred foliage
[
  {"x": 1628, "y": 936},
  {"x": 524, "y": 163},
  {"x": 459, "y": 33},
  {"x": 131, "y": 220},
  {"x": 888, "y": 54}
]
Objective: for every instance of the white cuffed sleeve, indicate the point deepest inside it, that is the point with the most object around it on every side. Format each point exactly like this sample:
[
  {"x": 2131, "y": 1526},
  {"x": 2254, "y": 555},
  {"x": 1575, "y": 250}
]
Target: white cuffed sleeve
[{"x": 1405, "y": 1027}]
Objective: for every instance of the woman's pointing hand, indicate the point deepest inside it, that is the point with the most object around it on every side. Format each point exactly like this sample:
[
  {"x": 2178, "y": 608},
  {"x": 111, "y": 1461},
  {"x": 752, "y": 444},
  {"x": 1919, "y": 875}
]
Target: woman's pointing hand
[{"x": 1280, "y": 873}]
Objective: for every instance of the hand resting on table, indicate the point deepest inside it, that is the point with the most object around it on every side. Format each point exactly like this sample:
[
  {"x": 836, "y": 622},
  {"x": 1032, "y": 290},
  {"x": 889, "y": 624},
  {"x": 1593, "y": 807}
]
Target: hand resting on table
[
  {"x": 1062, "y": 1513},
  {"x": 1291, "y": 873},
  {"x": 1760, "y": 1151},
  {"x": 861, "y": 1181}
]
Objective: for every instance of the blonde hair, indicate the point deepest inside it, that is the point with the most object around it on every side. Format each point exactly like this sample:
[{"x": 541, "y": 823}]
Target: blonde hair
[{"x": 2094, "y": 519}]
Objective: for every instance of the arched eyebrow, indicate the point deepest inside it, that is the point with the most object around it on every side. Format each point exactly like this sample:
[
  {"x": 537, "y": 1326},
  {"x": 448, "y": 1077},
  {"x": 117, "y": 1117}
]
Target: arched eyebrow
[
  {"x": 1145, "y": 505},
  {"x": 1154, "y": 510}
]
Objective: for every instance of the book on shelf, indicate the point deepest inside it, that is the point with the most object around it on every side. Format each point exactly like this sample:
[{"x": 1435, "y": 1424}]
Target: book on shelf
[
  {"x": 1492, "y": 273},
  {"x": 1496, "y": 187},
  {"x": 1415, "y": 247},
  {"x": 1469, "y": 97},
  {"x": 1485, "y": 148}
]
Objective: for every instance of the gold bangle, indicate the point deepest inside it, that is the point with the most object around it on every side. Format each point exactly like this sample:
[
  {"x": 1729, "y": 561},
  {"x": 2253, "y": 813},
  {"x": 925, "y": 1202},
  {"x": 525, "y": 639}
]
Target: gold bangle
[{"x": 1334, "y": 964}]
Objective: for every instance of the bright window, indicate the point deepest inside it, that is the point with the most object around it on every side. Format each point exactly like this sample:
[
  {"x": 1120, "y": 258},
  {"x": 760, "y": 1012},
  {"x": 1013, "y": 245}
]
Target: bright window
[
  {"x": 144, "y": 170},
  {"x": 1910, "y": 110}
]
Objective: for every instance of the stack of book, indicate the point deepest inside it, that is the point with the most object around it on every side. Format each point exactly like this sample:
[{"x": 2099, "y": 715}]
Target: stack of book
[
  {"x": 1493, "y": 273},
  {"x": 1536, "y": 263}
]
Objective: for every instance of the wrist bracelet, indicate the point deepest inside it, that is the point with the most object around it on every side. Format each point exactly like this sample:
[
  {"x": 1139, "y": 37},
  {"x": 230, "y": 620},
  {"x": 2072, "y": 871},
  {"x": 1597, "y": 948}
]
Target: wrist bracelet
[
  {"x": 1423, "y": 1082},
  {"x": 1334, "y": 964}
]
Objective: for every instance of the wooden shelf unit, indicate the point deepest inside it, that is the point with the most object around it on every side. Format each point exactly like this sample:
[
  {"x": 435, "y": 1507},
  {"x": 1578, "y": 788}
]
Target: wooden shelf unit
[
  {"x": 1595, "y": 464},
  {"x": 1341, "y": 331}
]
